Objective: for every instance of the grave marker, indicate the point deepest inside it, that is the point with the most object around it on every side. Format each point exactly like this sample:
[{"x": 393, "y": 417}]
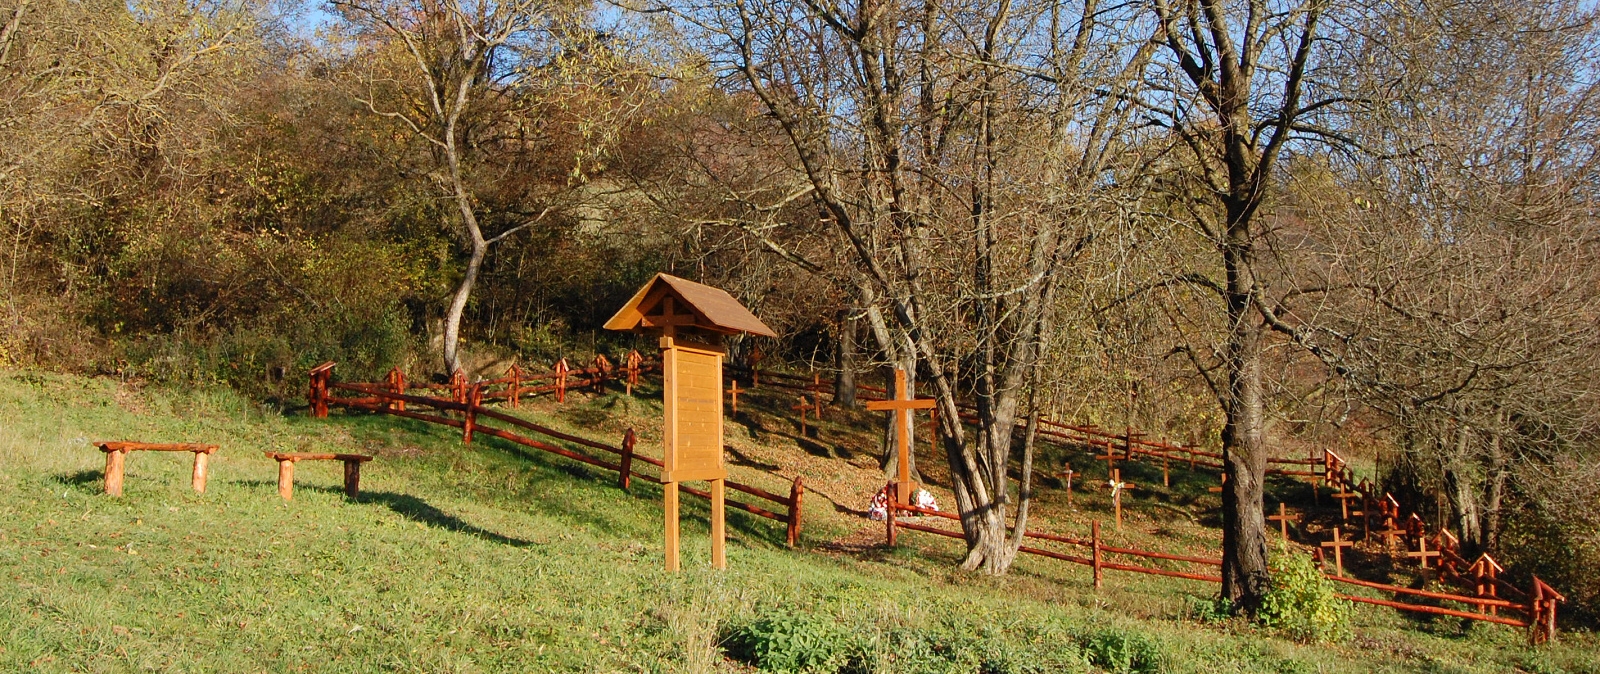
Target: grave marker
[
  {"x": 1338, "y": 546},
  {"x": 902, "y": 405},
  {"x": 691, "y": 320}
]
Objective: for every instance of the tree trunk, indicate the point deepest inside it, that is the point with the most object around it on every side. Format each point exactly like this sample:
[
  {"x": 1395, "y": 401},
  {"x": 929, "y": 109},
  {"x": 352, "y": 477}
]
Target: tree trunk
[
  {"x": 844, "y": 384},
  {"x": 458, "y": 305},
  {"x": 1245, "y": 578}
]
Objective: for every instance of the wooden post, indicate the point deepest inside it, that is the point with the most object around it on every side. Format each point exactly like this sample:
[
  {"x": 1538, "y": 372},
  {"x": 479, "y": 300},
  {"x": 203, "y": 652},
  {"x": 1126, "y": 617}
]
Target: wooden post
[
  {"x": 670, "y": 501},
  {"x": 719, "y": 527},
  {"x": 1165, "y": 480},
  {"x": 733, "y": 396},
  {"x": 352, "y": 478},
  {"x": 514, "y": 387},
  {"x": 634, "y": 359},
  {"x": 473, "y": 400},
  {"x": 317, "y": 395},
  {"x": 286, "y": 479},
  {"x": 755, "y": 362},
  {"x": 397, "y": 384},
  {"x": 796, "y": 492},
  {"x": 602, "y": 370},
  {"x": 625, "y": 476},
  {"x": 458, "y": 386},
  {"x": 1338, "y": 547},
  {"x": 1066, "y": 474},
  {"x": 1484, "y": 574},
  {"x": 1095, "y": 543},
  {"x": 114, "y": 466},
  {"x": 816, "y": 395},
  {"x": 198, "y": 480},
  {"x": 561, "y": 370},
  {"x": 888, "y": 520}
]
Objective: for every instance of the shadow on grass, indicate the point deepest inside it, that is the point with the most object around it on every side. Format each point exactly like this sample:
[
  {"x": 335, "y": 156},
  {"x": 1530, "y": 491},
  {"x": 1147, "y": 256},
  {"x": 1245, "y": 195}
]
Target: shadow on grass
[
  {"x": 91, "y": 481},
  {"x": 409, "y": 507}
]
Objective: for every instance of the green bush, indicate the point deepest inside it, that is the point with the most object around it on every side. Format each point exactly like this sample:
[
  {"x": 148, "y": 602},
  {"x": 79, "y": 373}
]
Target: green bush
[
  {"x": 1208, "y": 609},
  {"x": 1121, "y": 651},
  {"x": 785, "y": 641},
  {"x": 1302, "y": 603}
]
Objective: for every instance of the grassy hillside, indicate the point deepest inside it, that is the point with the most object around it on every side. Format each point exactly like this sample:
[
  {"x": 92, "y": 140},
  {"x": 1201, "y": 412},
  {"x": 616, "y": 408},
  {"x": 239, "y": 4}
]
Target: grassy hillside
[{"x": 487, "y": 558}]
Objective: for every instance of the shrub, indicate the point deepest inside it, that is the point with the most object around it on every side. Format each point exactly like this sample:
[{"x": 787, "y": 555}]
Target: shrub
[
  {"x": 1208, "y": 609},
  {"x": 785, "y": 641},
  {"x": 1302, "y": 603},
  {"x": 1121, "y": 651}
]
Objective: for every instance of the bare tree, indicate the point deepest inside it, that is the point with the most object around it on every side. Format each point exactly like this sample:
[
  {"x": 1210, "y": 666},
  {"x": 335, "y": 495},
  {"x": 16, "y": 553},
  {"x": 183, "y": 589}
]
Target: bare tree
[{"x": 943, "y": 168}]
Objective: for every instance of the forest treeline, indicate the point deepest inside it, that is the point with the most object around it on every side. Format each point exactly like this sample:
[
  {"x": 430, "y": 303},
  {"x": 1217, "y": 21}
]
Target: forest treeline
[{"x": 1258, "y": 225}]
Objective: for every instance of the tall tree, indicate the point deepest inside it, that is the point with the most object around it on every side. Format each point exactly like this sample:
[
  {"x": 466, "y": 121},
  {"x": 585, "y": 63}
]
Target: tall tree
[
  {"x": 1233, "y": 89},
  {"x": 943, "y": 169}
]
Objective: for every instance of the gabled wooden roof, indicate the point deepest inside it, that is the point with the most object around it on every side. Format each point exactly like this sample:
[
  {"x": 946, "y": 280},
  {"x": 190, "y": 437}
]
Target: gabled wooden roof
[{"x": 713, "y": 308}]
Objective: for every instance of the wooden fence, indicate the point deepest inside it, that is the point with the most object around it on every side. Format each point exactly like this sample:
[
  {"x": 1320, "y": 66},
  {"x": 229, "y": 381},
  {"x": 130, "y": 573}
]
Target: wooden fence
[
  {"x": 465, "y": 410},
  {"x": 1490, "y": 592},
  {"x": 1539, "y": 615}
]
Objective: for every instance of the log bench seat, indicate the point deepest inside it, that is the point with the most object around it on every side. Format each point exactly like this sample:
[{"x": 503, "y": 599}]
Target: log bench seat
[
  {"x": 286, "y": 461},
  {"x": 117, "y": 452}
]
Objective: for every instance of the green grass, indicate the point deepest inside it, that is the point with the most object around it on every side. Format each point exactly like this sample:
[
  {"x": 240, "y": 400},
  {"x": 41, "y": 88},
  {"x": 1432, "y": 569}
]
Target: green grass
[{"x": 487, "y": 558}]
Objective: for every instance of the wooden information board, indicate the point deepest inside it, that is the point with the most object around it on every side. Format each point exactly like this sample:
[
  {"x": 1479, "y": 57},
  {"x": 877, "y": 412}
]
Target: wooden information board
[
  {"x": 691, "y": 396},
  {"x": 692, "y": 405}
]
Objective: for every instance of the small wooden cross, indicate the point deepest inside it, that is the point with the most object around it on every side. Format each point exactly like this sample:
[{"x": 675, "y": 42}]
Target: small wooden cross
[
  {"x": 755, "y": 361},
  {"x": 1117, "y": 486},
  {"x": 1338, "y": 545},
  {"x": 634, "y": 359},
  {"x": 803, "y": 406},
  {"x": 816, "y": 395},
  {"x": 1422, "y": 552},
  {"x": 733, "y": 394},
  {"x": 1110, "y": 457},
  {"x": 1066, "y": 475},
  {"x": 1283, "y": 521},
  {"x": 1389, "y": 532},
  {"x": 1344, "y": 503}
]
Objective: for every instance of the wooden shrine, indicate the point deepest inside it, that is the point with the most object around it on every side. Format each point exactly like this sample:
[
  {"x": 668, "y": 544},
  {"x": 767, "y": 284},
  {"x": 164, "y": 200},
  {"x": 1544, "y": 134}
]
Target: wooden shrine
[
  {"x": 902, "y": 405},
  {"x": 691, "y": 320}
]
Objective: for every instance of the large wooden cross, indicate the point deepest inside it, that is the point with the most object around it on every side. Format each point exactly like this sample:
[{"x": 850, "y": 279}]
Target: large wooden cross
[{"x": 902, "y": 405}]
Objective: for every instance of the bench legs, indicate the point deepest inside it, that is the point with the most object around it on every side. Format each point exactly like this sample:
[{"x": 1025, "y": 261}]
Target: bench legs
[
  {"x": 352, "y": 478},
  {"x": 286, "y": 479},
  {"x": 114, "y": 461}
]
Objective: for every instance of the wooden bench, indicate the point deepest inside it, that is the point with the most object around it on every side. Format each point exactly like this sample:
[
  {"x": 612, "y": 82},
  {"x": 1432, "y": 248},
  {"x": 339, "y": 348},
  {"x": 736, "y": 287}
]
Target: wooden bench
[
  {"x": 286, "y": 461},
  {"x": 117, "y": 452}
]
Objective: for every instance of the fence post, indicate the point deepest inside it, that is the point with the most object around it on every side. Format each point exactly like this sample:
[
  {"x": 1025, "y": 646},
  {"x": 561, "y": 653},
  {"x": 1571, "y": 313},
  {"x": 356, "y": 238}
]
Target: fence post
[
  {"x": 458, "y": 386},
  {"x": 561, "y": 380},
  {"x": 796, "y": 491},
  {"x": 888, "y": 521},
  {"x": 602, "y": 371},
  {"x": 1095, "y": 529},
  {"x": 625, "y": 476},
  {"x": 317, "y": 395},
  {"x": 397, "y": 383},
  {"x": 514, "y": 392},
  {"x": 474, "y": 398}
]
